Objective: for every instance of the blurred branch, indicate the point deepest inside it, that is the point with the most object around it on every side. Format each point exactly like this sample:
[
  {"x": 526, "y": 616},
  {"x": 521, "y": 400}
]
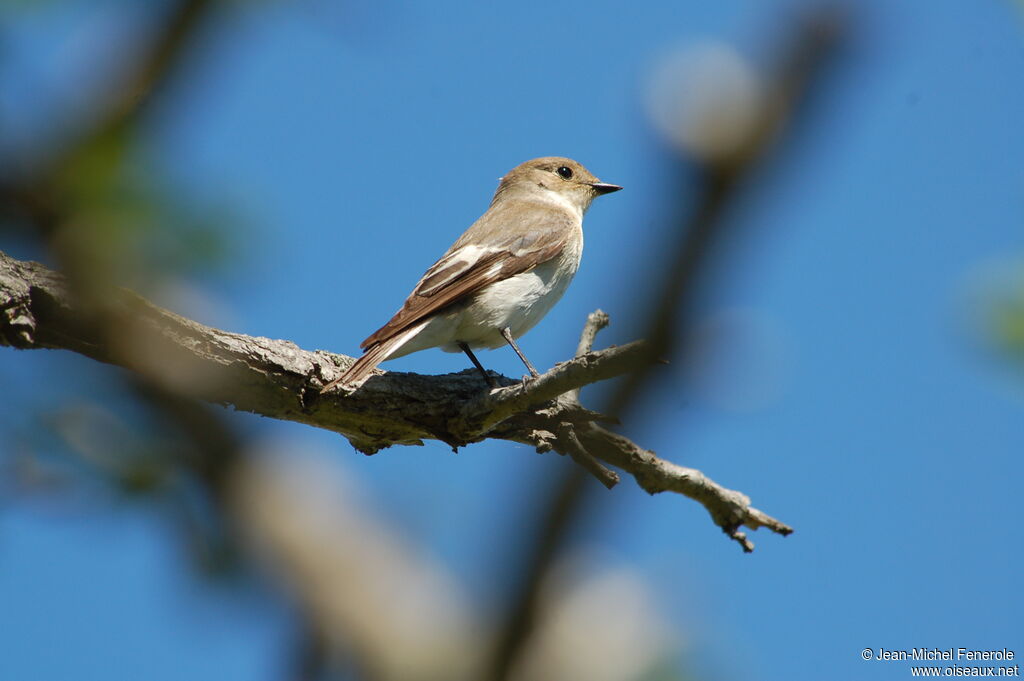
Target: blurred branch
[
  {"x": 64, "y": 198},
  {"x": 720, "y": 178},
  {"x": 366, "y": 593},
  {"x": 701, "y": 234},
  {"x": 43, "y": 197},
  {"x": 273, "y": 378},
  {"x": 155, "y": 66}
]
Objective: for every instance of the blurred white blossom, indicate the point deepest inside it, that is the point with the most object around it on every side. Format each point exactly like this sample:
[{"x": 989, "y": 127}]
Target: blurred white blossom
[{"x": 706, "y": 99}]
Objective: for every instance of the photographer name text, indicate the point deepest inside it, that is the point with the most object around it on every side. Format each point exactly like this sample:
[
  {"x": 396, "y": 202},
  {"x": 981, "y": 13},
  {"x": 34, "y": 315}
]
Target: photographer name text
[{"x": 941, "y": 654}]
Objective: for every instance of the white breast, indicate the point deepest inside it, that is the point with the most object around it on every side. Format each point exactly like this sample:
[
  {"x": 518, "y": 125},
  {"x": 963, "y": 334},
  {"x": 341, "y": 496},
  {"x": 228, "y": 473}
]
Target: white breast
[{"x": 518, "y": 303}]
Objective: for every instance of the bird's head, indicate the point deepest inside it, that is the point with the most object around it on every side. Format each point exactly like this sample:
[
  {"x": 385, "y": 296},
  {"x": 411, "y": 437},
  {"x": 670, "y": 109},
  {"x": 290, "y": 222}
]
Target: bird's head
[{"x": 553, "y": 179}]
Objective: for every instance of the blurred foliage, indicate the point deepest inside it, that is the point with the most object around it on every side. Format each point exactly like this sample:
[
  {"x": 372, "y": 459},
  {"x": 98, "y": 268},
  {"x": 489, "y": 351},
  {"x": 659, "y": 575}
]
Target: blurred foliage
[
  {"x": 1006, "y": 322},
  {"x": 89, "y": 189},
  {"x": 91, "y": 198},
  {"x": 128, "y": 224},
  {"x": 107, "y": 450}
]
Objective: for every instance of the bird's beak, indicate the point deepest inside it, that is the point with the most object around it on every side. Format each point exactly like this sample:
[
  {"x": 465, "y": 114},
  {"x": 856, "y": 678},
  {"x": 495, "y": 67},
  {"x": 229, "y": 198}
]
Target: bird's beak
[{"x": 604, "y": 187}]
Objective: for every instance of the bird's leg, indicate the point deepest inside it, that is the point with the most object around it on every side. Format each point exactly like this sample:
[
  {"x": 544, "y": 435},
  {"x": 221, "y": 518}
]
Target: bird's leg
[
  {"x": 507, "y": 333},
  {"x": 472, "y": 358}
]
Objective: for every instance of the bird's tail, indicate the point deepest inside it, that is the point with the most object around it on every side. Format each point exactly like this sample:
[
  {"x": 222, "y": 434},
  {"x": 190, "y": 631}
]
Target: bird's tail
[{"x": 360, "y": 371}]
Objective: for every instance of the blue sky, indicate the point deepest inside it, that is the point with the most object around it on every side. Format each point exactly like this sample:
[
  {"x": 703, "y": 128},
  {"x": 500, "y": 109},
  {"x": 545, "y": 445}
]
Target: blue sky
[{"x": 857, "y": 402}]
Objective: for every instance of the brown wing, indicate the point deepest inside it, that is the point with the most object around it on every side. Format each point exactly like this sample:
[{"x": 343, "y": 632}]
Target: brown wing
[{"x": 466, "y": 269}]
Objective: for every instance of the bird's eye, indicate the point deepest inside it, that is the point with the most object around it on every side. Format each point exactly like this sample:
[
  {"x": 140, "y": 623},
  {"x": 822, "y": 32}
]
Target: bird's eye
[{"x": 565, "y": 172}]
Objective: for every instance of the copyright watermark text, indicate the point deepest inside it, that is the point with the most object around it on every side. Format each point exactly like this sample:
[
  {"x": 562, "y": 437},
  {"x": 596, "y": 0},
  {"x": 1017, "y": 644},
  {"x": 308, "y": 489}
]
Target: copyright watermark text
[{"x": 968, "y": 662}]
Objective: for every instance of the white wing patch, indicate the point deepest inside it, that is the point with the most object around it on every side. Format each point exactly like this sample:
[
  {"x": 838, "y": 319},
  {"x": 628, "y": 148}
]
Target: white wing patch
[{"x": 449, "y": 268}]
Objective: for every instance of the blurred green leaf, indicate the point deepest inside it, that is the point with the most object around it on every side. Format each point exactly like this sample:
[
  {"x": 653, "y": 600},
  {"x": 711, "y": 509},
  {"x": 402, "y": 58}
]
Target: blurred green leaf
[
  {"x": 127, "y": 225},
  {"x": 1007, "y": 322}
]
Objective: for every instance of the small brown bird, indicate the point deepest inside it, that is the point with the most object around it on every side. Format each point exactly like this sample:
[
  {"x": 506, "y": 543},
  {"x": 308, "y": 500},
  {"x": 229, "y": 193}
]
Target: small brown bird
[{"x": 501, "y": 277}]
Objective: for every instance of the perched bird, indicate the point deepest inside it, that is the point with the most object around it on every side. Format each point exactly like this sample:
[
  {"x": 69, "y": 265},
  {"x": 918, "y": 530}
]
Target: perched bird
[{"x": 500, "y": 278}]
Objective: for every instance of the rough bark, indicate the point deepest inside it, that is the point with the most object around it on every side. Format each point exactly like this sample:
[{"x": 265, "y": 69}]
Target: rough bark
[{"x": 278, "y": 379}]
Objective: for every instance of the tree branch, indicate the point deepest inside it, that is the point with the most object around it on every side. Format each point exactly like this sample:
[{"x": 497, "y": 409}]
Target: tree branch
[
  {"x": 491, "y": 408},
  {"x": 277, "y": 379}
]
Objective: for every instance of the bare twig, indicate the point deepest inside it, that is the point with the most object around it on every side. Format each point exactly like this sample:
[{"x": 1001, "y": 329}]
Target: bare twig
[
  {"x": 729, "y": 509},
  {"x": 596, "y": 320},
  {"x": 585, "y": 459},
  {"x": 483, "y": 413}
]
